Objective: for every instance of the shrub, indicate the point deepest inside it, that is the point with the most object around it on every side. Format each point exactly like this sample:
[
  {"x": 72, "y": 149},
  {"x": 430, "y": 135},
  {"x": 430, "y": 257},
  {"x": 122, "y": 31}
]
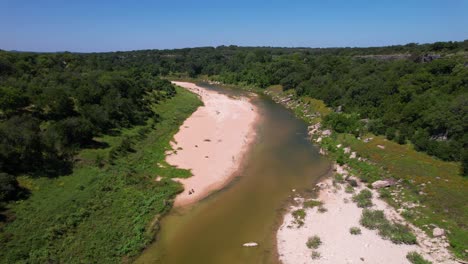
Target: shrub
[
  {"x": 363, "y": 199},
  {"x": 397, "y": 233},
  {"x": 373, "y": 219},
  {"x": 339, "y": 178},
  {"x": 355, "y": 230},
  {"x": 353, "y": 183},
  {"x": 322, "y": 209},
  {"x": 384, "y": 193},
  {"x": 315, "y": 255},
  {"x": 415, "y": 258},
  {"x": 99, "y": 161},
  {"x": 349, "y": 189},
  {"x": 314, "y": 242},
  {"x": 8, "y": 187},
  {"x": 342, "y": 123},
  {"x": 299, "y": 216},
  {"x": 312, "y": 203}
]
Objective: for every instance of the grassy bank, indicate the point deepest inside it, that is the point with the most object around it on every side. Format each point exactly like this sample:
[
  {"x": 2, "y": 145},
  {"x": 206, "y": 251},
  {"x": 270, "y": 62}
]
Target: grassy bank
[
  {"x": 104, "y": 212},
  {"x": 433, "y": 193}
]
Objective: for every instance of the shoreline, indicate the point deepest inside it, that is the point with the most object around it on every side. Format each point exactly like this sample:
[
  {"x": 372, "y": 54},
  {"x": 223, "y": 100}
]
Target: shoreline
[
  {"x": 212, "y": 142},
  {"x": 434, "y": 248},
  {"x": 333, "y": 224}
]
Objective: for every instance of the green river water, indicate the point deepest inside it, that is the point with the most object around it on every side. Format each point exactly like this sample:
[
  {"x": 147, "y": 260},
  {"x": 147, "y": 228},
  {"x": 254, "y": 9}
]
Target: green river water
[{"x": 250, "y": 208}]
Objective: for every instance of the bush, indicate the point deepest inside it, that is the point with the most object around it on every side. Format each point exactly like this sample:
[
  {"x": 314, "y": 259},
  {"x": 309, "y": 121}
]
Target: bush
[
  {"x": 312, "y": 203},
  {"x": 373, "y": 219},
  {"x": 315, "y": 255},
  {"x": 322, "y": 209},
  {"x": 415, "y": 258},
  {"x": 397, "y": 233},
  {"x": 8, "y": 187},
  {"x": 353, "y": 183},
  {"x": 384, "y": 193},
  {"x": 349, "y": 189},
  {"x": 363, "y": 199},
  {"x": 314, "y": 242},
  {"x": 355, "y": 230},
  {"x": 299, "y": 216},
  {"x": 342, "y": 123}
]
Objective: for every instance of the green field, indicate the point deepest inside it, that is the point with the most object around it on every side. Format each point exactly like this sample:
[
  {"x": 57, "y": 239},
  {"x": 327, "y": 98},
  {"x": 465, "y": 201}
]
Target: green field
[{"x": 107, "y": 210}]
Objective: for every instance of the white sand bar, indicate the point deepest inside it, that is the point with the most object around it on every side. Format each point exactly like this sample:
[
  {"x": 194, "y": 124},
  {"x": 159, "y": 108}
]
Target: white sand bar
[
  {"x": 212, "y": 142},
  {"x": 339, "y": 246}
]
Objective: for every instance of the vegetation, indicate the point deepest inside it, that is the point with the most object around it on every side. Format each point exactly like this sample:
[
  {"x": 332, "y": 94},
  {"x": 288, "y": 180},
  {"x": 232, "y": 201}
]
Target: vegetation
[
  {"x": 71, "y": 125},
  {"x": 431, "y": 186},
  {"x": 401, "y": 92},
  {"x": 314, "y": 242},
  {"x": 363, "y": 198},
  {"x": 322, "y": 209},
  {"x": 79, "y": 140},
  {"x": 299, "y": 216},
  {"x": 355, "y": 230},
  {"x": 415, "y": 258},
  {"x": 315, "y": 254},
  {"x": 397, "y": 233},
  {"x": 349, "y": 189},
  {"x": 312, "y": 203}
]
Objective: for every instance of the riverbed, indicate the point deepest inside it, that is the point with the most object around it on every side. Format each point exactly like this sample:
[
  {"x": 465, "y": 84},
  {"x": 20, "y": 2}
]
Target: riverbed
[{"x": 281, "y": 163}]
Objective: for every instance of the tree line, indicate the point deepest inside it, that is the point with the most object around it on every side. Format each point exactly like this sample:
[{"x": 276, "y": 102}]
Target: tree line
[{"x": 52, "y": 105}]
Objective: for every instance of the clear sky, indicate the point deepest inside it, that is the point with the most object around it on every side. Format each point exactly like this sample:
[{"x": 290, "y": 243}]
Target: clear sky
[{"x": 109, "y": 25}]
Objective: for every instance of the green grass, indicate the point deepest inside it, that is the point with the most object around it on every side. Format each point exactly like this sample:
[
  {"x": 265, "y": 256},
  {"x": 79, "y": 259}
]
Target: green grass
[
  {"x": 397, "y": 233},
  {"x": 104, "y": 214},
  {"x": 314, "y": 242},
  {"x": 363, "y": 198},
  {"x": 415, "y": 258}
]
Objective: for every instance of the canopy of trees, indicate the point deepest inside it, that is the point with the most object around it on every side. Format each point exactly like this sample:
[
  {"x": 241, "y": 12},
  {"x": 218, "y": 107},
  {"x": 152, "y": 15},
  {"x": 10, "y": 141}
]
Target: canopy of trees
[
  {"x": 51, "y": 105},
  {"x": 55, "y": 103},
  {"x": 409, "y": 92}
]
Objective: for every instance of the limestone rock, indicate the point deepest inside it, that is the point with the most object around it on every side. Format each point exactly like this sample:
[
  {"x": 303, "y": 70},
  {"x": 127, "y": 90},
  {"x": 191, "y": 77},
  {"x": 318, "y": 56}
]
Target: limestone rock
[
  {"x": 437, "y": 232},
  {"x": 381, "y": 184}
]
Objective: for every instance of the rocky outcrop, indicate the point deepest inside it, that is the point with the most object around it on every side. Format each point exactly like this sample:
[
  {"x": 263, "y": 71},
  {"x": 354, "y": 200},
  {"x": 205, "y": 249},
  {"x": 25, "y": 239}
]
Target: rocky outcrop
[
  {"x": 438, "y": 232},
  {"x": 381, "y": 184}
]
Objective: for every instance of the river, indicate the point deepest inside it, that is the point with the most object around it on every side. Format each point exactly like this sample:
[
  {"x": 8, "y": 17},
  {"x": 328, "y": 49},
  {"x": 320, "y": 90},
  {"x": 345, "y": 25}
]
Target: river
[{"x": 250, "y": 208}]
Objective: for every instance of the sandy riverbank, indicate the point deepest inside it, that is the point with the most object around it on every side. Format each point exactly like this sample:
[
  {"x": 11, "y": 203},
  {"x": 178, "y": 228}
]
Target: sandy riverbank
[
  {"x": 212, "y": 142},
  {"x": 338, "y": 244}
]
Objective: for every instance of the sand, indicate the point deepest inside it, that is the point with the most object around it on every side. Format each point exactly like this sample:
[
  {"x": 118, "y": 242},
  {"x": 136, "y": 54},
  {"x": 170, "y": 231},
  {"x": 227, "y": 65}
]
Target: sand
[
  {"x": 212, "y": 142},
  {"x": 338, "y": 245}
]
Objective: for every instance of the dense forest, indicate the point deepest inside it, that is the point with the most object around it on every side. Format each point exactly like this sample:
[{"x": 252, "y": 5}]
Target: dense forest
[
  {"x": 52, "y": 104},
  {"x": 410, "y": 93}
]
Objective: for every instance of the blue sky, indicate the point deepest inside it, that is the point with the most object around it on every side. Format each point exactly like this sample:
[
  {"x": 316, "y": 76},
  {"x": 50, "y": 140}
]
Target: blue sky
[{"x": 110, "y": 25}]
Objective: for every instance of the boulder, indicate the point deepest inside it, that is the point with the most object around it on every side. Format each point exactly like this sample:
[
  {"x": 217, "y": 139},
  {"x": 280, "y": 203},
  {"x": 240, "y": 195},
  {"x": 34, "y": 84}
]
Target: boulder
[
  {"x": 438, "y": 232},
  {"x": 326, "y": 132},
  {"x": 250, "y": 244},
  {"x": 321, "y": 185},
  {"x": 381, "y": 184}
]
